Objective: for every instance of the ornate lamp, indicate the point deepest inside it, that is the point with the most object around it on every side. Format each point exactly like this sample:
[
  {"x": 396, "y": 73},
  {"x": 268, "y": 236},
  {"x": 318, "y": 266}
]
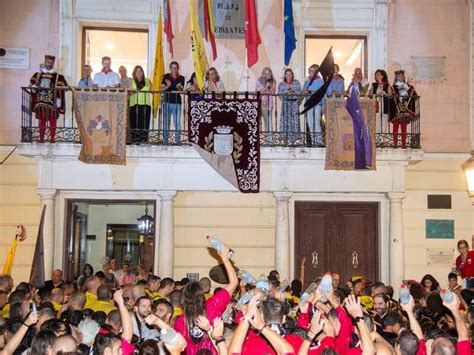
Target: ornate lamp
[
  {"x": 146, "y": 223},
  {"x": 468, "y": 168}
]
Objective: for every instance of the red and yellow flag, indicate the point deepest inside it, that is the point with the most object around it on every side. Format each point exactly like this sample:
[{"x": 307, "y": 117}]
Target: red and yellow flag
[{"x": 159, "y": 67}]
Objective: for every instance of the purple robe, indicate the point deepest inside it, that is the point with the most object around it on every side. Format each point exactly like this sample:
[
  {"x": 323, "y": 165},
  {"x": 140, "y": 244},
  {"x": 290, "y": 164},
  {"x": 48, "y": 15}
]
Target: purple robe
[{"x": 362, "y": 141}]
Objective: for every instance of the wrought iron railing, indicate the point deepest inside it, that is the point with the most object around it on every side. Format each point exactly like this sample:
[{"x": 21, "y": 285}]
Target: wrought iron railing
[{"x": 162, "y": 129}]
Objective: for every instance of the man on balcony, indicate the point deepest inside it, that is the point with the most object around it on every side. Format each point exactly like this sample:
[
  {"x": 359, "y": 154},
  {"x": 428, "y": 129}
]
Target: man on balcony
[
  {"x": 46, "y": 101},
  {"x": 106, "y": 78}
]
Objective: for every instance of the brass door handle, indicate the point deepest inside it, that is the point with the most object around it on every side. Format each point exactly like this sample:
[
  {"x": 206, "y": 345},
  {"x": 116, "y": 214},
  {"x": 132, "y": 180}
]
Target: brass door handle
[
  {"x": 355, "y": 259},
  {"x": 314, "y": 260}
]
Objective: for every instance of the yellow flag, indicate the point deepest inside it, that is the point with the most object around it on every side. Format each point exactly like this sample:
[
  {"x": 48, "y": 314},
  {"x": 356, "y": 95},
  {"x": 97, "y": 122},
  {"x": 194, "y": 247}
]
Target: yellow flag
[
  {"x": 7, "y": 267},
  {"x": 159, "y": 68},
  {"x": 197, "y": 46}
]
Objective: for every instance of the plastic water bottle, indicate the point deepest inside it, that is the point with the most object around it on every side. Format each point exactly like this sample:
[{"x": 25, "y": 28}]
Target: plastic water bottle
[
  {"x": 247, "y": 277},
  {"x": 262, "y": 284},
  {"x": 169, "y": 336},
  {"x": 33, "y": 307},
  {"x": 404, "y": 293},
  {"x": 283, "y": 286},
  {"x": 217, "y": 244},
  {"x": 245, "y": 299},
  {"x": 447, "y": 296},
  {"x": 307, "y": 293},
  {"x": 325, "y": 286}
]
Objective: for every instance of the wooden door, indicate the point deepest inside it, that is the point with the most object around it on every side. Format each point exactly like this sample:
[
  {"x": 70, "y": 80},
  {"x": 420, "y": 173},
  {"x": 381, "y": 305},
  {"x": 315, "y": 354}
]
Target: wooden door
[{"x": 338, "y": 237}]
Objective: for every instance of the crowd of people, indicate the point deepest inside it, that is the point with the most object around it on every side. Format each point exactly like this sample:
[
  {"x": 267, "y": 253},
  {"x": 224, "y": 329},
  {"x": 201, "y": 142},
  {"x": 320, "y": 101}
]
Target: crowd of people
[
  {"x": 394, "y": 103},
  {"x": 113, "y": 312}
]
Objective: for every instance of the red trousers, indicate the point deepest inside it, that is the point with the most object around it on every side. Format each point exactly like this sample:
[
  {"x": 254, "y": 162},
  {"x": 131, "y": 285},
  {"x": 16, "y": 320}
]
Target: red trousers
[
  {"x": 403, "y": 126},
  {"x": 43, "y": 115}
]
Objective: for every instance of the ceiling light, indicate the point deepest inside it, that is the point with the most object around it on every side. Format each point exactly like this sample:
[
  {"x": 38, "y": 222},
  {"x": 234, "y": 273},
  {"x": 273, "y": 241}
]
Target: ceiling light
[{"x": 109, "y": 46}]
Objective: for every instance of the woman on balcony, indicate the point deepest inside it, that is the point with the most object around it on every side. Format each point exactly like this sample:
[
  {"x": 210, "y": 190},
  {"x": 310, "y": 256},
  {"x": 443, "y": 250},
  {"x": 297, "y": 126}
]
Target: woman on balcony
[
  {"x": 266, "y": 85},
  {"x": 381, "y": 89},
  {"x": 140, "y": 106},
  {"x": 405, "y": 107},
  {"x": 213, "y": 81},
  {"x": 336, "y": 87},
  {"x": 171, "y": 83},
  {"x": 313, "y": 116},
  {"x": 289, "y": 91}
]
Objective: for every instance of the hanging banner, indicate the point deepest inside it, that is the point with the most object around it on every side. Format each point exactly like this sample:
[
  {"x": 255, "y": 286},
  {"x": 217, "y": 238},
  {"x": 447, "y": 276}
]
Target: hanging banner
[
  {"x": 229, "y": 18},
  {"x": 102, "y": 120},
  {"x": 225, "y": 133},
  {"x": 350, "y": 135}
]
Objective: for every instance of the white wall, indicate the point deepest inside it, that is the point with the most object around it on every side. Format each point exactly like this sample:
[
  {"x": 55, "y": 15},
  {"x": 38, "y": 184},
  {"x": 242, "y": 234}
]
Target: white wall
[{"x": 439, "y": 176}]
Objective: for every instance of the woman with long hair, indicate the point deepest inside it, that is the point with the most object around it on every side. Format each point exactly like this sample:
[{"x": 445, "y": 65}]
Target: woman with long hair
[
  {"x": 381, "y": 89},
  {"x": 198, "y": 314},
  {"x": 140, "y": 106},
  {"x": 430, "y": 283},
  {"x": 288, "y": 91},
  {"x": 42, "y": 342},
  {"x": 266, "y": 84},
  {"x": 213, "y": 81},
  {"x": 336, "y": 87},
  {"x": 87, "y": 271}
]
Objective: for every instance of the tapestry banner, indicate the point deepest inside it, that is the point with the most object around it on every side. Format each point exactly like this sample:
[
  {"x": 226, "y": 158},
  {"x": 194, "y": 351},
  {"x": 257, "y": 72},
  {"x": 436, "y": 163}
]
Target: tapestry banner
[
  {"x": 102, "y": 120},
  {"x": 225, "y": 132},
  {"x": 350, "y": 138}
]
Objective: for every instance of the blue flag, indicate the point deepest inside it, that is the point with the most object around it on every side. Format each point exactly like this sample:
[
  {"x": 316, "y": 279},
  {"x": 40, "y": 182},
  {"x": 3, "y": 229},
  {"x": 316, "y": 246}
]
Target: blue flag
[{"x": 289, "y": 28}]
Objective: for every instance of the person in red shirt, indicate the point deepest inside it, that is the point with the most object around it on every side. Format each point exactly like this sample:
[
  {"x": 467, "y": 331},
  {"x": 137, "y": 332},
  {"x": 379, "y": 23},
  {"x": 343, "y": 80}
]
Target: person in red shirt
[{"x": 465, "y": 264}]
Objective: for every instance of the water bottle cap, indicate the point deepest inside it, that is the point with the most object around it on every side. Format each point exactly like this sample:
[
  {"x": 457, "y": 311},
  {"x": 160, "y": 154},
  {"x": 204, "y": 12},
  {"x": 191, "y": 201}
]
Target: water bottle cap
[{"x": 443, "y": 290}]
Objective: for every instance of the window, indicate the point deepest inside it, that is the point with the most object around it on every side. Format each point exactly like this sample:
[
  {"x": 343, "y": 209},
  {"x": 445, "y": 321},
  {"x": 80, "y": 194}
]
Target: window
[
  {"x": 349, "y": 52},
  {"x": 126, "y": 46}
]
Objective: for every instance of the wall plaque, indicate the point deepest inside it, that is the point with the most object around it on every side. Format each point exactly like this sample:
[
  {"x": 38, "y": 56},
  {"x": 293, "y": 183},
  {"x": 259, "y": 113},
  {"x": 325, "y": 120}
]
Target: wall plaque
[
  {"x": 15, "y": 58},
  {"x": 440, "y": 228},
  {"x": 439, "y": 256},
  {"x": 429, "y": 68}
]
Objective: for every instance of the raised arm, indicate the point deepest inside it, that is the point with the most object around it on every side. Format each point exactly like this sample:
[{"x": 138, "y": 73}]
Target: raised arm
[
  {"x": 233, "y": 279},
  {"x": 280, "y": 345},
  {"x": 463, "y": 333},
  {"x": 11, "y": 346},
  {"x": 355, "y": 310},
  {"x": 414, "y": 325},
  {"x": 315, "y": 327},
  {"x": 127, "y": 328},
  {"x": 302, "y": 270}
]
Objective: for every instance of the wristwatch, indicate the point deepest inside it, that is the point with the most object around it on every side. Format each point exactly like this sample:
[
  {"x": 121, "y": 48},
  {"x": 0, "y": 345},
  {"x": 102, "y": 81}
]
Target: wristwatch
[{"x": 358, "y": 319}]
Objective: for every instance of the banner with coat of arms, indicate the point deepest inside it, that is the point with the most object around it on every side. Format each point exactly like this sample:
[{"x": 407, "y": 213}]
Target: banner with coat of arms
[
  {"x": 102, "y": 120},
  {"x": 225, "y": 132}
]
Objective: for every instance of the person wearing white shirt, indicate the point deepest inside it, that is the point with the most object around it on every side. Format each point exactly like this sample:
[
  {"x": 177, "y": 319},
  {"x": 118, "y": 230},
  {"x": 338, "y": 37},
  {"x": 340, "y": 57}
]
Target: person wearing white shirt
[{"x": 106, "y": 78}]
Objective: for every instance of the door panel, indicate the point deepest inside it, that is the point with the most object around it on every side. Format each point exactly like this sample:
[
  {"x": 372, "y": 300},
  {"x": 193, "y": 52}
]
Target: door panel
[{"x": 341, "y": 237}]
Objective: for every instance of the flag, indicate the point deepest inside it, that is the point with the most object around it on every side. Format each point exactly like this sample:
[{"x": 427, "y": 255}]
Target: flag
[
  {"x": 167, "y": 25},
  {"x": 197, "y": 47},
  {"x": 37, "y": 268},
  {"x": 252, "y": 37},
  {"x": 289, "y": 29},
  {"x": 7, "y": 267},
  {"x": 327, "y": 72},
  {"x": 209, "y": 27},
  {"x": 159, "y": 67},
  {"x": 362, "y": 139}
]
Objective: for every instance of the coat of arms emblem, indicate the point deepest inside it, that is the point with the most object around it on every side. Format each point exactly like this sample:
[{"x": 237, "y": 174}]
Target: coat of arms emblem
[{"x": 223, "y": 140}]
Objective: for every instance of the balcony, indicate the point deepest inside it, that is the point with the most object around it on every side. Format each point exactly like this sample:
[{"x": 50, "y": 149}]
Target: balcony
[{"x": 159, "y": 132}]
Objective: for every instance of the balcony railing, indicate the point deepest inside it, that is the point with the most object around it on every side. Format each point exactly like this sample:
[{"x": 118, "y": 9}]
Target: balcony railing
[{"x": 162, "y": 129}]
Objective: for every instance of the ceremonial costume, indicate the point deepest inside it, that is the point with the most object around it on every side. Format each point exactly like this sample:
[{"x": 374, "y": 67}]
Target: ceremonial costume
[
  {"x": 403, "y": 111},
  {"x": 47, "y": 102}
]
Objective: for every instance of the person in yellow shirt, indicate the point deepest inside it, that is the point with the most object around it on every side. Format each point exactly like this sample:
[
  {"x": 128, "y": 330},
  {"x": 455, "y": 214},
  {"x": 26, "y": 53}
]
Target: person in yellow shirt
[
  {"x": 175, "y": 299},
  {"x": 166, "y": 287},
  {"x": 92, "y": 284},
  {"x": 152, "y": 285},
  {"x": 206, "y": 287},
  {"x": 103, "y": 303},
  {"x": 57, "y": 298},
  {"x": 4, "y": 305}
]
